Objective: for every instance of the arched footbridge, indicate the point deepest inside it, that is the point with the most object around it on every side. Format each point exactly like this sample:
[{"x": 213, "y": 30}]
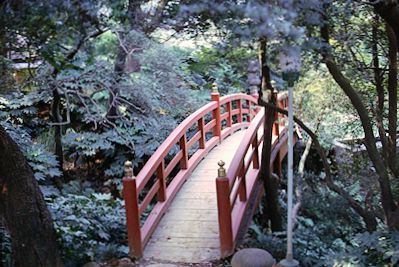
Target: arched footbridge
[{"x": 182, "y": 206}]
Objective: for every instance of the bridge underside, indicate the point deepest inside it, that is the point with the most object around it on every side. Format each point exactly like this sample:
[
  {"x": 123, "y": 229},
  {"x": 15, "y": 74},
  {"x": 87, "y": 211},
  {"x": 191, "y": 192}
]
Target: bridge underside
[{"x": 189, "y": 232}]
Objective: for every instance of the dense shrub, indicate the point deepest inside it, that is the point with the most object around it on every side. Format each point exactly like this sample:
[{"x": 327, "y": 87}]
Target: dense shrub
[{"x": 89, "y": 225}]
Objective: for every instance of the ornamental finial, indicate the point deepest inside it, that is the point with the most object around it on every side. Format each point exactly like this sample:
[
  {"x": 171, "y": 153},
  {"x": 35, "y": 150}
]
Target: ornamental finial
[
  {"x": 215, "y": 88},
  {"x": 221, "y": 170},
  {"x": 128, "y": 169}
]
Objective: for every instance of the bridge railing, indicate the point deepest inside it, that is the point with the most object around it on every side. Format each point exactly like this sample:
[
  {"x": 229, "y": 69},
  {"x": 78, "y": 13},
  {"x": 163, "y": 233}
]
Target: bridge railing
[
  {"x": 149, "y": 194},
  {"x": 234, "y": 188}
]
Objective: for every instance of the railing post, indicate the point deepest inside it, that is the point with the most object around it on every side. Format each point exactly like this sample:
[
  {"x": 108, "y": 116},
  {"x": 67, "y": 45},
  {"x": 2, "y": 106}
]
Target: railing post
[
  {"x": 243, "y": 184},
  {"x": 224, "y": 212},
  {"x": 183, "y": 147},
  {"x": 215, "y": 96},
  {"x": 162, "y": 181},
  {"x": 239, "y": 119},
  {"x": 132, "y": 212},
  {"x": 201, "y": 126}
]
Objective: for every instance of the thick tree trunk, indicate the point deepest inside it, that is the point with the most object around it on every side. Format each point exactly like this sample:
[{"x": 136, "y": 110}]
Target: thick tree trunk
[
  {"x": 378, "y": 79},
  {"x": 272, "y": 209},
  {"x": 388, "y": 204},
  {"x": 392, "y": 98},
  {"x": 24, "y": 211},
  {"x": 389, "y": 11}
]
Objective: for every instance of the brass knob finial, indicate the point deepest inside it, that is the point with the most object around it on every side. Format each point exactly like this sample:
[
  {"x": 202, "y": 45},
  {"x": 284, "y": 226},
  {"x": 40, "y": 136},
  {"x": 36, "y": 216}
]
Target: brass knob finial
[
  {"x": 128, "y": 169},
  {"x": 221, "y": 170},
  {"x": 215, "y": 88}
]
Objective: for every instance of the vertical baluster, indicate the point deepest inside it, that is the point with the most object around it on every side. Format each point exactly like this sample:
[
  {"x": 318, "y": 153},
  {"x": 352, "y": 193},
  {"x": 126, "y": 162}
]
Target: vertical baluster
[
  {"x": 201, "y": 126},
  {"x": 243, "y": 183},
  {"x": 183, "y": 147},
  {"x": 130, "y": 196},
  {"x": 249, "y": 117},
  {"x": 162, "y": 181},
  {"x": 230, "y": 117},
  {"x": 239, "y": 119}
]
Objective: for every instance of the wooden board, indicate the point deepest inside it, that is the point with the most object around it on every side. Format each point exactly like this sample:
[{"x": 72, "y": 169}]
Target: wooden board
[{"x": 189, "y": 232}]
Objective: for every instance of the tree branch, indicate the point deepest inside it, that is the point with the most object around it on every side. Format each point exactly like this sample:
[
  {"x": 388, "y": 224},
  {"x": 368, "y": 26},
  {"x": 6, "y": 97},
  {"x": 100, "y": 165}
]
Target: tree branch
[{"x": 369, "y": 218}]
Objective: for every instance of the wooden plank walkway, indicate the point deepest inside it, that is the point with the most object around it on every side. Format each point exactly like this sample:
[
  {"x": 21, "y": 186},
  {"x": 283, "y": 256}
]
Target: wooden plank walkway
[{"x": 188, "y": 232}]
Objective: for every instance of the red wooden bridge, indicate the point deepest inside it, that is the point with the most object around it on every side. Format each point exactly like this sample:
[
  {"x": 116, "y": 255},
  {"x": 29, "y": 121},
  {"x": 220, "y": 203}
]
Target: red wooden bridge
[{"x": 181, "y": 207}]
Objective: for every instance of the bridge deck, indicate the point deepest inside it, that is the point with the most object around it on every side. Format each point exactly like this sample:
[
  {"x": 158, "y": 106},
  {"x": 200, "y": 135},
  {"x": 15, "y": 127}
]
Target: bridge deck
[{"x": 189, "y": 232}]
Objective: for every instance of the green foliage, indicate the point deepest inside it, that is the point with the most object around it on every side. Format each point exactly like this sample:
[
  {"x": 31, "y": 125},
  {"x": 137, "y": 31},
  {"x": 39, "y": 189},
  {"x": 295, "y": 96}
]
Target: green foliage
[
  {"x": 5, "y": 248},
  {"x": 321, "y": 105},
  {"x": 324, "y": 229},
  {"x": 44, "y": 164},
  {"x": 226, "y": 66},
  {"x": 380, "y": 248},
  {"x": 89, "y": 225},
  {"x": 19, "y": 118}
]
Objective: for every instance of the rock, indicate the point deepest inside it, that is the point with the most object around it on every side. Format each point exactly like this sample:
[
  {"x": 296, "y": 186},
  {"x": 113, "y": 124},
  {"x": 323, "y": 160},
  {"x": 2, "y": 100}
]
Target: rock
[
  {"x": 125, "y": 262},
  {"x": 162, "y": 265},
  {"x": 252, "y": 257},
  {"x": 92, "y": 264}
]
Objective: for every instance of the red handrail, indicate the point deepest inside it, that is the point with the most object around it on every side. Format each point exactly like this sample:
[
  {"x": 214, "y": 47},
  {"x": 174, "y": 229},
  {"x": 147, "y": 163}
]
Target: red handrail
[
  {"x": 235, "y": 190},
  {"x": 225, "y": 120}
]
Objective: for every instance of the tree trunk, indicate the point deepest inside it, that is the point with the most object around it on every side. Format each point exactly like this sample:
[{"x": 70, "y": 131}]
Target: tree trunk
[
  {"x": 119, "y": 67},
  {"x": 270, "y": 183},
  {"x": 57, "y": 118},
  {"x": 389, "y": 11},
  {"x": 368, "y": 216},
  {"x": 24, "y": 211},
  {"x": 392, "y": 98}
]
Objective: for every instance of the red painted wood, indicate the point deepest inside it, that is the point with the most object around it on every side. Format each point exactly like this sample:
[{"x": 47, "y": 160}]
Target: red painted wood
[
  {"x": 194, "y": 139},
  {"x": 239, "y": 101},
  {"x": 237, "y": 126},
  {"x": 234, "y": 97},
  {"x": 243, "y": 185},
  {"x": 210, "y": 125},
  {"x": 224, "y": 116},
  {"x": 172, "y": 164},
  {"x": 162, "y": 181},
  {"x": 241, "y": 176},
  {"x": 132, "y": 217},
  {"x": 230, "y": 116},
  {"x": 150, "y": 196},
  {"x": 240, "y": 207},
  {"x": 201, "y": 129},
  {"x": 224, "y": 216},
  {"x": 137, "y": 236},
  {"x": 183, "y": 147},
  {"x": 216, "y": 116},
  {"x": 150, "y": 167},
  {"x": 161, "y": 207}
]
